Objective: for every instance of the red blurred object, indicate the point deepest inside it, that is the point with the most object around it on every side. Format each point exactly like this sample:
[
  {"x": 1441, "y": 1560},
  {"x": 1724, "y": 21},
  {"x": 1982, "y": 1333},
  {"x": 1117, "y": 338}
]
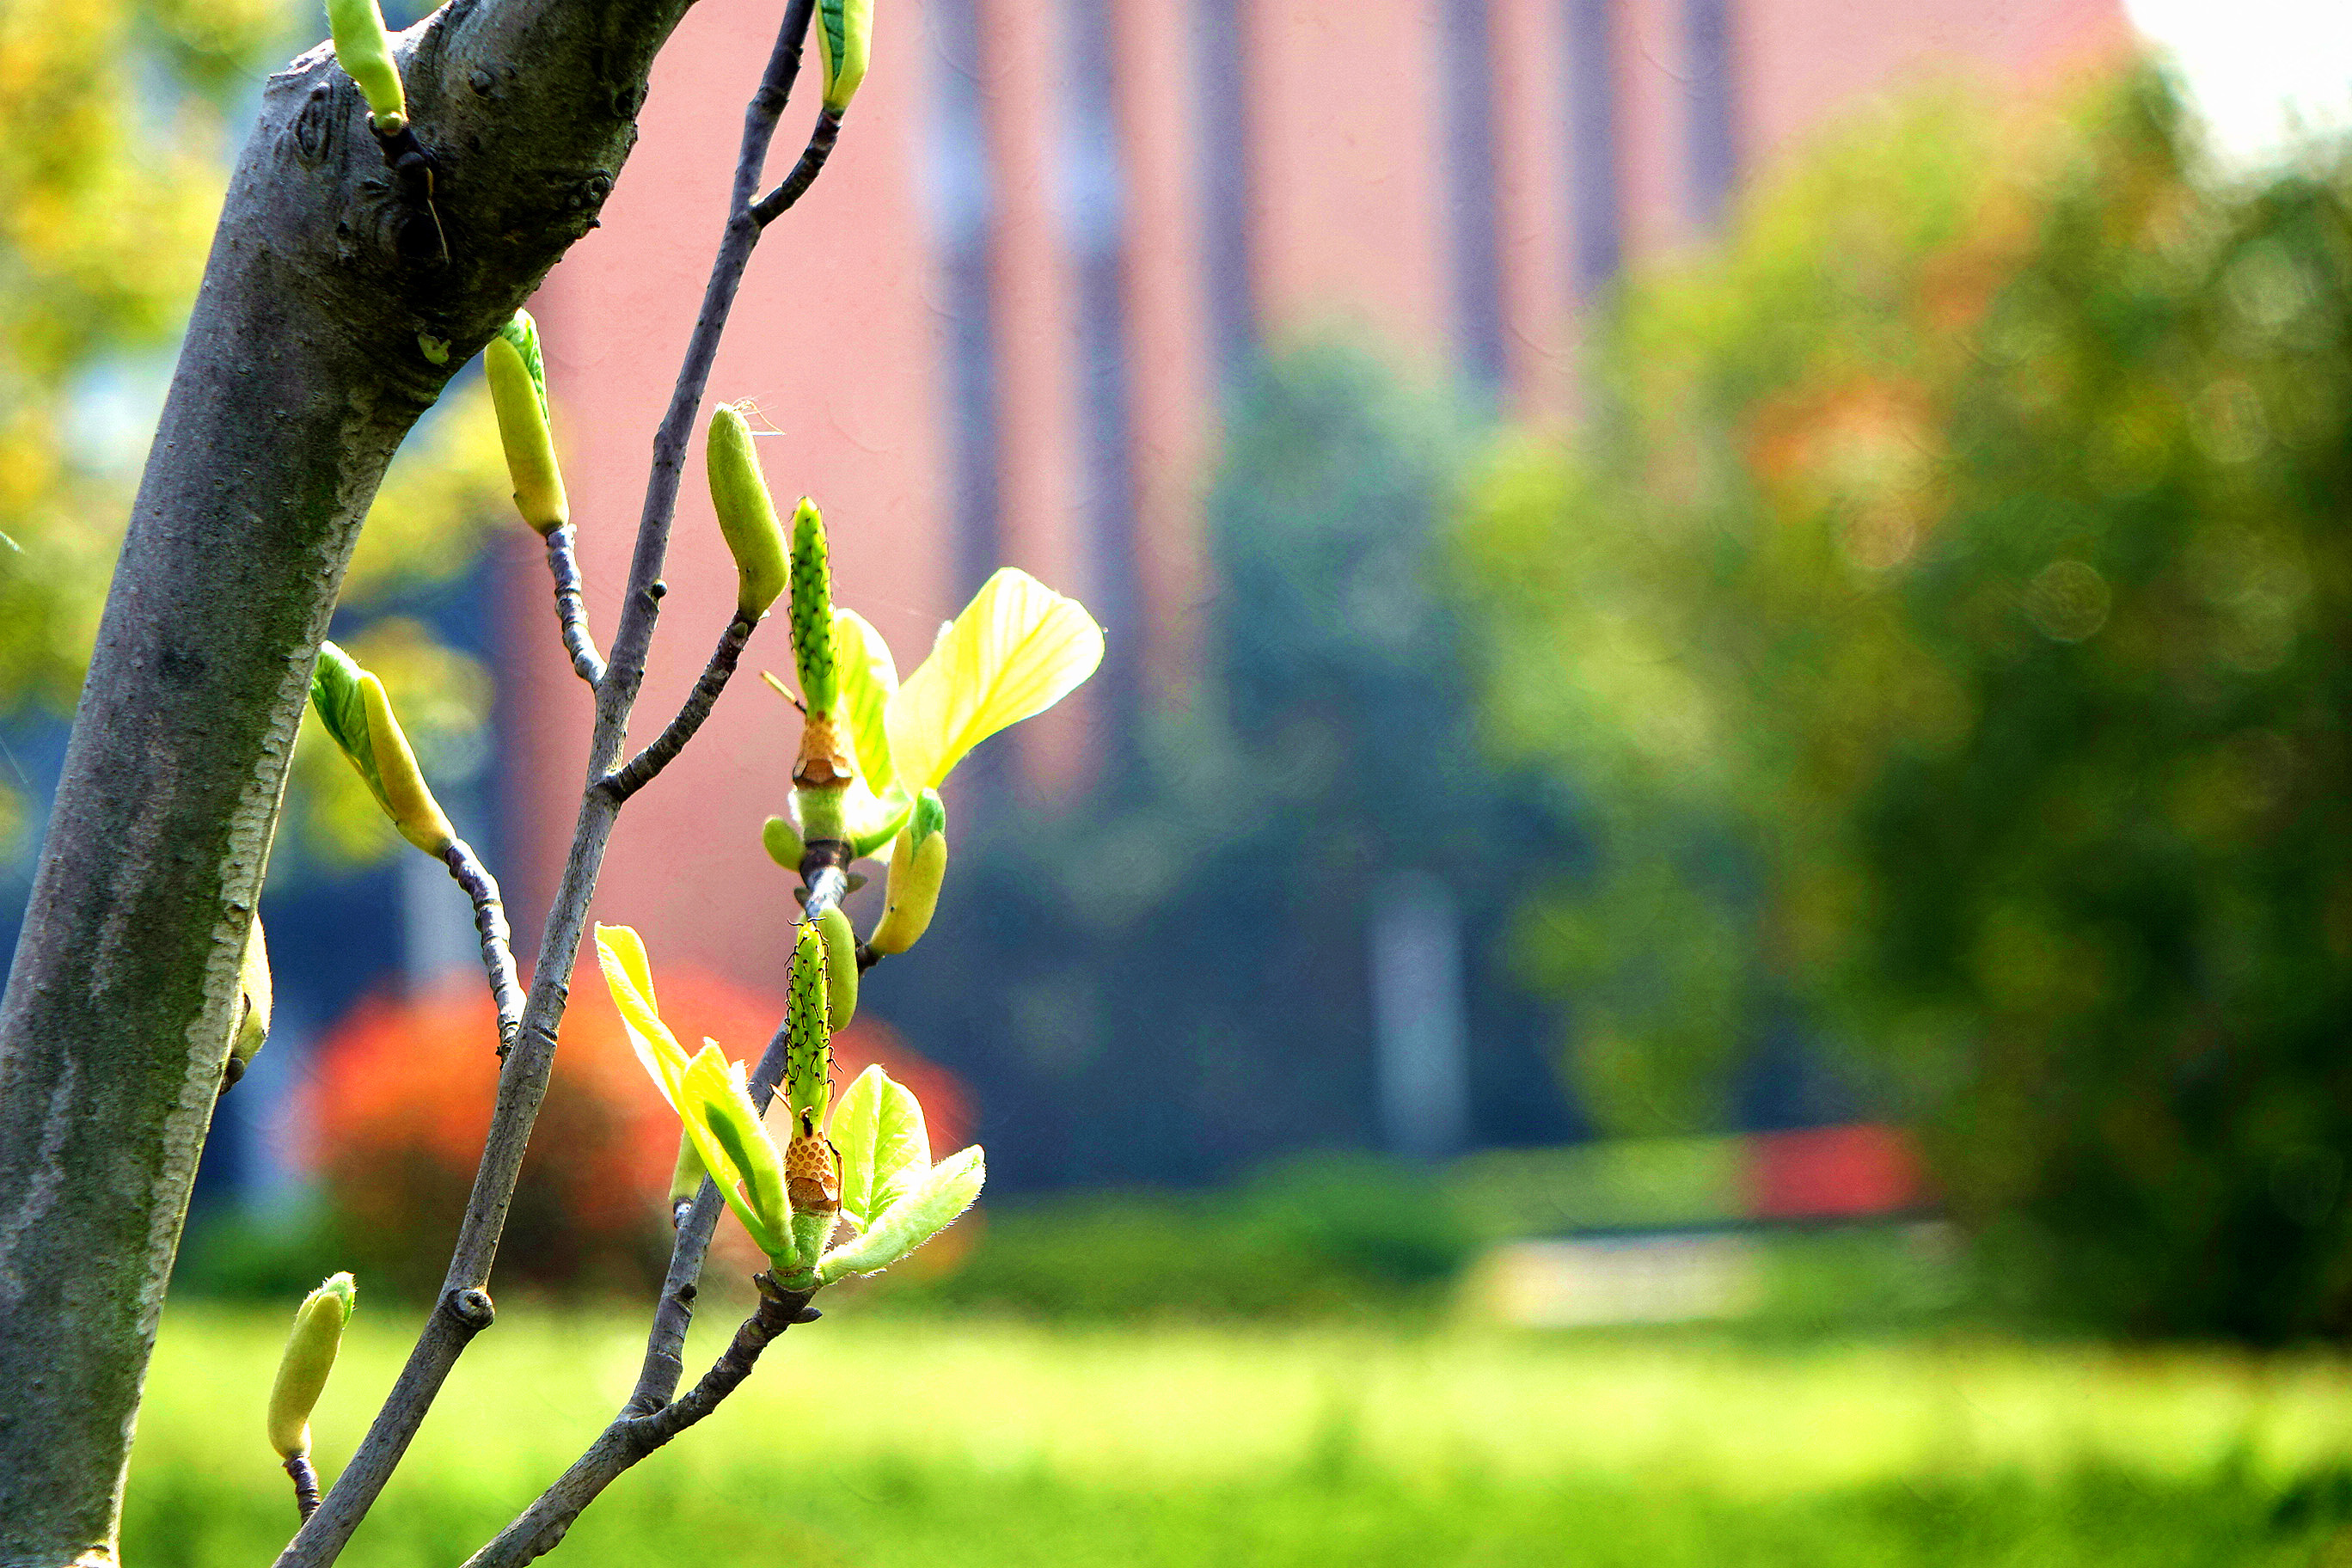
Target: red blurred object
[
  {"x": 1827, "y": 1173},
  {"x": 401, "y": 1094}
]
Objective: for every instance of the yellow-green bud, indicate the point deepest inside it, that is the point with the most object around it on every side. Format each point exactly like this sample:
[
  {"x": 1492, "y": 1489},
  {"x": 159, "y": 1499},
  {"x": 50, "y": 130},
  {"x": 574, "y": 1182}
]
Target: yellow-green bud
[
  {"x": 253, "y": 999},
  {"x": 518, "y": 378},
  {"x": 845, "y": 34},
  {"x": 364, "y": 48},
  {"x": 783, "y": 842},
  {"x": 808, "y": 1064},
  {"x": 747, "y": 515},
  {"x": 351, "y": 703},
  {"x": 840, "y": 967},
  {"x": 685, "y": 1176},
  {"x": 309, "y": 1357},
  {"x": 918, "y": 864}
]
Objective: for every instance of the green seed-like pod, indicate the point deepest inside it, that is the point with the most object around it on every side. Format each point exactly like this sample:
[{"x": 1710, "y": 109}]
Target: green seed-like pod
[
  {"x": 253, "y": 1000},
  {"x": 808, "y": 1065},
  {"x": 364, "y": 48},
  {"x": 747, "y": 515},
  {"x": 783, "y": 842},
  {"x": 825, "y": 761},
  {"x": 840, "y": 967},
  {"x": 309, "y": 1357},
  {"x": 845, "y": 35},
  {"x": 517, "y": 377},
  {"x": 352, "y": 704},
  {"x": 918, "y": 864}
]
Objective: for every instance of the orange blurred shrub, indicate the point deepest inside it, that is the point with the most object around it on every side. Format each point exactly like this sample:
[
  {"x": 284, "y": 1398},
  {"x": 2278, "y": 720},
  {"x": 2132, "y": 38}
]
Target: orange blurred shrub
[{"x": 400, "y": 1099}]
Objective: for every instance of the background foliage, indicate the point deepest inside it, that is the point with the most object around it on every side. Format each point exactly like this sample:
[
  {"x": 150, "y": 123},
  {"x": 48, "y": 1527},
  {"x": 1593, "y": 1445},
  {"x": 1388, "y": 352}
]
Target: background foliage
[{"x": 1944, "y": 616}]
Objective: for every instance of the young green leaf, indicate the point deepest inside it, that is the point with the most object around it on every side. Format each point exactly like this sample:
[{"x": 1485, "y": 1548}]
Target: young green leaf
[
  {"x": 1017, "y": 649},
  {"x": 946, "y": 1190},
  {"x": 868, "y": 677},
  {"x": 878, "y": 1127},
  {"x": 338, "y": 697},
  {"x": 716, "y": 1108},
  {"x": 783, "y": 842},
  {"x": 309, "y": 1357}
]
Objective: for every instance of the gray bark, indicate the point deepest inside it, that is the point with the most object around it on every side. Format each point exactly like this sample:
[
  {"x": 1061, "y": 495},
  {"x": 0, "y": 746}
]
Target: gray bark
[{"x": 305, "y": 365}]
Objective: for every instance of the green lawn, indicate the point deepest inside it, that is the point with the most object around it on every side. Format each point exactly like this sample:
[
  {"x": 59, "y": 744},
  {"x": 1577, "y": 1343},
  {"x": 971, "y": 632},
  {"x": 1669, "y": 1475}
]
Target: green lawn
[{"x": 886, "y": 1440}]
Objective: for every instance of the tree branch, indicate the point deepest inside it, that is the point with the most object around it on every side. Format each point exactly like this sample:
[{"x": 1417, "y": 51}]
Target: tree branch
[
  {"x": 497, "y": 941},
  {"x": 616, "y": 1447},
  {"x": 642, "y": 769},
  {"x": 306, "y": 362},
  {"x": 778, "y": 202},
  {"x": 571, "y": 608},
  {"x": 464, "y": 1306}
]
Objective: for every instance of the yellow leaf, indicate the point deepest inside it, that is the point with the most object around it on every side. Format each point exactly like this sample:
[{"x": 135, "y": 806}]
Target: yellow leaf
[
  {"x": 1017, "y": 649},
  {"x": 621, "y": 954}
]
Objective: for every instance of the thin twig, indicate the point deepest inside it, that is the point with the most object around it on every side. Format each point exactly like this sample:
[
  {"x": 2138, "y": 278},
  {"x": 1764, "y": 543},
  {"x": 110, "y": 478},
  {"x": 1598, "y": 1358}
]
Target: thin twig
[
  {"x": 497, "y": 939},
  {"x": 571, "y": 608},
  {"x": 615, "y": 1448},
  {"x": 622, "y": 783},
  {"x": 306, "y": 1484},
  {"x": 778, "y": 202},
  {"x": 465, "y": 1308},
  {"x": 542, "y": 1525}
]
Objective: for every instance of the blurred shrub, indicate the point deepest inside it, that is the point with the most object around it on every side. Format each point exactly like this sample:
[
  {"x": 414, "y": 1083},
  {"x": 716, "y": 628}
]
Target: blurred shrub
[
  {"x": 1944, "y": 613},
  {"x": 1311, "y": 1236},
  {"x": 402, "y": 1096}
]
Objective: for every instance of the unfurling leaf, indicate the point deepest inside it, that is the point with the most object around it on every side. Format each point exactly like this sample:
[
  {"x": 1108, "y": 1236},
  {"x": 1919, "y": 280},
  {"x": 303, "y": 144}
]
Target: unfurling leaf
[
  {"x": 716, "y": 1107},
  {"x": 946, "y": 1190},
  {"x": 309, "y": 1357},
  {"x": 877, "y": 1129},
  {"x": 352, "y": 704},
  {"x": 845, "y": 32},
  {"x": 621, "y": 954},
  {"x": 1017, "y": 649}
]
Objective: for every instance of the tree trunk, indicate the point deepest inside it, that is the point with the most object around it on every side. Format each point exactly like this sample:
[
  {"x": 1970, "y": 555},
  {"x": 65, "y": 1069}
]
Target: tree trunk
[{"x": 313, "y": 350}]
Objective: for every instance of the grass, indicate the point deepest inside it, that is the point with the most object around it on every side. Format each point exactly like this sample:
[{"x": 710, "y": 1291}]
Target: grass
[{"x": 967, "y": 1443}]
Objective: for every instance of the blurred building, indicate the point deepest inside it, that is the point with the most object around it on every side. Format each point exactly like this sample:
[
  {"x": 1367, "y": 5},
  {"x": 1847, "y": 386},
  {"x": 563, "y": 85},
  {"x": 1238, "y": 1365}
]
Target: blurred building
[{"x": 996, "y": 329}]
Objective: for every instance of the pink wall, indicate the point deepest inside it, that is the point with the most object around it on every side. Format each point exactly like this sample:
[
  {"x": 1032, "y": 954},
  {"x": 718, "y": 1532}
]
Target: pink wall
[{"x": 835, "y": 337}]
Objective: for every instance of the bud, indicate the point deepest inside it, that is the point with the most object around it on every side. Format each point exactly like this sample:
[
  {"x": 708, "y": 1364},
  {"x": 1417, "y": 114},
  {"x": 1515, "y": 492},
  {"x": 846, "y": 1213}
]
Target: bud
[
  {"x": 845, "y": 32},
  {"x": 364, "y": 48},
  {"x": 685, "y": 1176},
  {"x": 918, "y": 864},
  {"x": 945, "y": 1192},
  {"x": 808, "y": 1063},
  {"x": 783, "y": 842},
  {"x": 309, "y": 1357},
  {"x": 252, "y": 1009},
  {"x": 518, "y": 378},
  {"x": 840, "y": 967},
  {"x": 352, "y": 704},
  {"x": 747, "y": 517}
]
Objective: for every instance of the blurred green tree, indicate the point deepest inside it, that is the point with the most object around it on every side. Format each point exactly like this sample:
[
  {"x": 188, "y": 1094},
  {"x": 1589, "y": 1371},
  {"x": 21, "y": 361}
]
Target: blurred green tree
[
  {"x": 104, "y": 211},
  {"x": 1945, "y": 613}
]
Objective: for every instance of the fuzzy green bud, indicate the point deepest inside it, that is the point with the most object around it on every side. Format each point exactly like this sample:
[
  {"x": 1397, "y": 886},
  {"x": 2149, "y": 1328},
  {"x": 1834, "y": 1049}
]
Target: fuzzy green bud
[
  {"x": 517, "y": 377},
  {"x": 845, "y": 34},
  {"x": 918, "y": 865},
  {"x": 354, "y": 706},
  {"x": 252, "y": 1011},
  {"x": 364, "y": 48},
  {"x": 783, "y": 842},
  {"x": 309, "y": 1357},
  {"x": 747, "y": 516},
  {"x": 685, "y": 1176},
  {"x": 808, "y": 1065}
]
